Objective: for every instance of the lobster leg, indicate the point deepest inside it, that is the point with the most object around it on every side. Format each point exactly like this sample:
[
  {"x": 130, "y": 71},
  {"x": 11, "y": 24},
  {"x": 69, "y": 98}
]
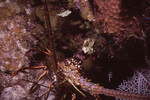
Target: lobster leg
[
  {"x": 35, "y": 49},
  {"x": 37, "y": 38},
  {"x": 45, "y": 72},
  {"x": 73, "y": 96},
  {"x": 48, "y": 90},
  {"x": 23, "y": 68}
]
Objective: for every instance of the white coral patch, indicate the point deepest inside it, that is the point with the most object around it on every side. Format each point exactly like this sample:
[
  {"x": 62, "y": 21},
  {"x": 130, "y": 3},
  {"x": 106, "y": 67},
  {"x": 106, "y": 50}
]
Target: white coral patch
[
  {"x": 65, "y": 13},
  {"x": 88, "y": 46},
  {"x": 139, "y": 83}
]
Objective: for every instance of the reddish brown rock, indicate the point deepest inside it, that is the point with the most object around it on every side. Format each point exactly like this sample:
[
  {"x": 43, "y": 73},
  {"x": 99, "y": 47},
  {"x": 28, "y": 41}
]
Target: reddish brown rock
[
  {"x": 120, "y": 20},
  {"x": 119, "y": 17}
]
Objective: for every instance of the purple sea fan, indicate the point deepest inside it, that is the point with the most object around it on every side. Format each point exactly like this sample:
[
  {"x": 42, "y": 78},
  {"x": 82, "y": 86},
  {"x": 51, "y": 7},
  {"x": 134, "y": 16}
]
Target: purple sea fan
[{"x": 139, "y": 83}]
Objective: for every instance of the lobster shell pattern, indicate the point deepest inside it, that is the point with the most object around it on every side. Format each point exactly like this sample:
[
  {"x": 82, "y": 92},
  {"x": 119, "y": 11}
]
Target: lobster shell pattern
[{"x": 71, "y": 67}]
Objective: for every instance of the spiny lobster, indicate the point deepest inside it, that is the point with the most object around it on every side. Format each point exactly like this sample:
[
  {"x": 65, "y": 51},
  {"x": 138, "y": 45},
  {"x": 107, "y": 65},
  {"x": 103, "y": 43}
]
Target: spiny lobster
[{"x": 70, "y": 68}]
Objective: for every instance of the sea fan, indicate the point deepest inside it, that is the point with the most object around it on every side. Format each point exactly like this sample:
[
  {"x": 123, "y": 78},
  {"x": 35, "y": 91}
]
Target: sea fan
[{"x": 139, "y": 83}]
